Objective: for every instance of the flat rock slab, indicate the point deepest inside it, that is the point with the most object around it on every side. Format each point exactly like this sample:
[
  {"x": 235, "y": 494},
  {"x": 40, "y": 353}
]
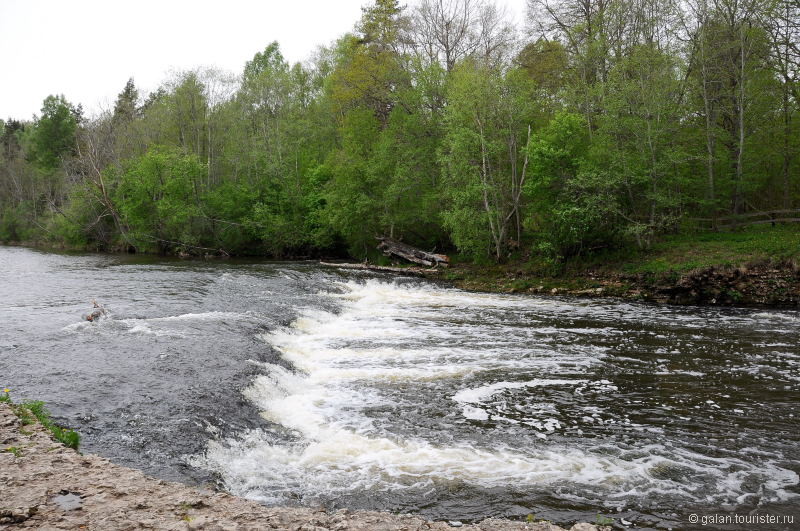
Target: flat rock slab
[{"x": 45, "y": 485}]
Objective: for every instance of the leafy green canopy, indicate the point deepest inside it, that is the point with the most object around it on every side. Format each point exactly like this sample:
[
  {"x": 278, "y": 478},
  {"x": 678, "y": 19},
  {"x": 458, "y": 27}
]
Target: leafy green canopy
[
  {"x": 605, "y": 130},
  {"x": 54, "y": 133}
]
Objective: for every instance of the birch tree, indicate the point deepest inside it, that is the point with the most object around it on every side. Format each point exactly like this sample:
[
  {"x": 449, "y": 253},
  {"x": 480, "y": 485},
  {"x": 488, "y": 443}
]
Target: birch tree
[{"x": 488, "y": 126}]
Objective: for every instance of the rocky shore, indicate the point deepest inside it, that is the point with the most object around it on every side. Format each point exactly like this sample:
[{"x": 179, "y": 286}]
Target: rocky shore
[
  {"x": 773, "y": 284},
  {"x": 45, "y": 485}
]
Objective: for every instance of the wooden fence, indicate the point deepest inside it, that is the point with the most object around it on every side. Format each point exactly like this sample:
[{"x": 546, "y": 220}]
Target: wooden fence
[{"x": 750, "y": 218}]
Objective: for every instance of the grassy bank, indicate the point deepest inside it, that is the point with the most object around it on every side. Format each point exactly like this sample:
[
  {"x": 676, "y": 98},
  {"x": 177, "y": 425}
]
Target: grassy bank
[
  {"x": 30, "y": 412},
  {"x": 757, "y": 266}
]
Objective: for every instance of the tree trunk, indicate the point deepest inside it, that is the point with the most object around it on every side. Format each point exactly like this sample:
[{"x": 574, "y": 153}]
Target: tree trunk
[
  {"x": 787, "y": 199},
  {"x": 711, "y": 140},
  {"x": 412, "y": 254},
  {"x": 737, "y": 194}
]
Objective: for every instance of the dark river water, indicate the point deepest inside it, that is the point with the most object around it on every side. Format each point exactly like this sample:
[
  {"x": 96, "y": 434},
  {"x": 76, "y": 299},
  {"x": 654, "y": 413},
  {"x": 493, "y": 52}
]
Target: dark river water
[{"x": 289, "y": 383}]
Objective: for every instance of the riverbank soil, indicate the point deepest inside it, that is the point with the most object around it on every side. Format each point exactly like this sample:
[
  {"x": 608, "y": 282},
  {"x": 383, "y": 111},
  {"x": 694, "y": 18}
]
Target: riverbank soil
[
  {"x": 755, "y": 267},
  {"x": 45, "y": 485}
]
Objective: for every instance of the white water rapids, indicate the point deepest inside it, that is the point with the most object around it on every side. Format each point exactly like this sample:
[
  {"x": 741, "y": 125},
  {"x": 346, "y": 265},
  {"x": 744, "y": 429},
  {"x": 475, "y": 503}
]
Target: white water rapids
[
  {"x": 522, "y": 394},
  {"x": 291, "y": 383}
]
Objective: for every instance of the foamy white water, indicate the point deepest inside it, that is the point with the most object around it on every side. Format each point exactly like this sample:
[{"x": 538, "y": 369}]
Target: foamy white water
[
  {"x": 291, "y": 383},
  {"x": 518, "y": 388}
]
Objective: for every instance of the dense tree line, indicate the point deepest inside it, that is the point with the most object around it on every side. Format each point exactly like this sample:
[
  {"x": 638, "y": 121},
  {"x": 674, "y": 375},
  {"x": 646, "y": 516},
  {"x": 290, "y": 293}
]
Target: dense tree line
[{"x": 603, "y": 123}]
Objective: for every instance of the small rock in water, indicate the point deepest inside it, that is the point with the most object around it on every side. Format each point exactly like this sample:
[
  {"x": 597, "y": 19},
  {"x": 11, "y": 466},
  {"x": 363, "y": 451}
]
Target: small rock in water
[{"x": 455, "y": 523}]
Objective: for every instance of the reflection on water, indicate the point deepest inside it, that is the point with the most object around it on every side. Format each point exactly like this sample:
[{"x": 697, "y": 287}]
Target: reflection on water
[{"x": 294, "y": 384}]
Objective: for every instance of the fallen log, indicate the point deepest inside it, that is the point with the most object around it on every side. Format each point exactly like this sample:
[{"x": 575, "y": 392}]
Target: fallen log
[
  {"x": 414, "y": 271},
  {"x": 391, "y": 247}
]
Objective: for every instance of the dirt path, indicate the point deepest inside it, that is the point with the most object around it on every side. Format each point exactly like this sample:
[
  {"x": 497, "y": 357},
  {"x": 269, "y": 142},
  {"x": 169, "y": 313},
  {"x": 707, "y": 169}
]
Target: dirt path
[{"x": 44, "y": 485}]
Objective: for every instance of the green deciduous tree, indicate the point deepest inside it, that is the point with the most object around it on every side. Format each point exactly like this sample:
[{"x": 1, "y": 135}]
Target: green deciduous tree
[
  {"x": 54, "y": 133},
  {"x": 158, "y": 195},
  {"x": 571, "y": 204},
  {"x": 488, "y": 124}
]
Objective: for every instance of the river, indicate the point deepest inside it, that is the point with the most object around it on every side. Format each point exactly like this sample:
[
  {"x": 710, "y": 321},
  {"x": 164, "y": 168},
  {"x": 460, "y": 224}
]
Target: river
[{"x": 290, "y": 383}]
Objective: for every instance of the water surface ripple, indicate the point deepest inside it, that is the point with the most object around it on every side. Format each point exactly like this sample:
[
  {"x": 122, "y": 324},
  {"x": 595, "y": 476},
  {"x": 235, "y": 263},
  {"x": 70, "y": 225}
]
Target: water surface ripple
[{"x": 292, "y": 384}]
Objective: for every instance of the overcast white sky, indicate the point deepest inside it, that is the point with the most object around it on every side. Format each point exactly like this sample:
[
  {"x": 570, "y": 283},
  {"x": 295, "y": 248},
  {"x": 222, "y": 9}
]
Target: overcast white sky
[{"x": 87, "y": 49}]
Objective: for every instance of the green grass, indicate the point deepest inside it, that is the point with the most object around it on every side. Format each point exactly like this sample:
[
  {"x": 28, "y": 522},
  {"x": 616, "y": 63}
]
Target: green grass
[
  {"x": 692, "y": 251},
  {"x": 603, "y": 520},
  {"x": 14, "y": 450},
  {"x": 670, "y": 256},
  {"x": 684, "y": 252},
  {"x": 30, "y": 412}
]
